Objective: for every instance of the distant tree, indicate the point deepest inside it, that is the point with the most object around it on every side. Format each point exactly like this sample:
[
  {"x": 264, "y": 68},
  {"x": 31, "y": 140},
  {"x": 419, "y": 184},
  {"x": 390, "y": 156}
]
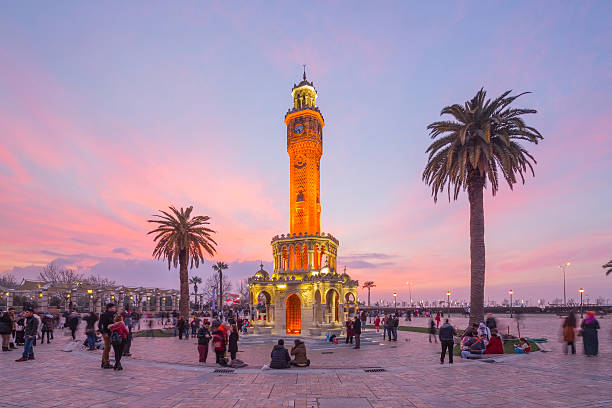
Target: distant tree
[
  {"x": 368, "y": 285},
  {"x": 180, "y": 239},
  {"x": 483, "y": 141},
  {"x": 53, "y": 273},
  {"x": 195, "y": 280},
  {"x": 212, "y": 284},
  {"x": 97, "y": 280},
  {"x": 609, "y": 266},
  {"x": 8, "y": 281},
  {"x": 244, "y": 292},
  {"x": 55, "y": 301},
  {"x": 220, "y": 267}
]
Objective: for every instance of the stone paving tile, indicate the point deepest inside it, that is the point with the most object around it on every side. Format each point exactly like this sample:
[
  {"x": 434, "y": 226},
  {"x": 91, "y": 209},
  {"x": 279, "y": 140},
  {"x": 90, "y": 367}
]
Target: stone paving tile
[{"x": 164, "y": 373}]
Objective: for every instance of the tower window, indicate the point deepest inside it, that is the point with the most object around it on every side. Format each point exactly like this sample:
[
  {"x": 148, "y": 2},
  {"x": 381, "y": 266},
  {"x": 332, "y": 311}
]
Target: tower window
[{"x": 300, "y": 196}]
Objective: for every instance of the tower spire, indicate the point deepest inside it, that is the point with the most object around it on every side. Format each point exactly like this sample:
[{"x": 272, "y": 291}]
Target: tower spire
[{"x": 304, "y": 65}]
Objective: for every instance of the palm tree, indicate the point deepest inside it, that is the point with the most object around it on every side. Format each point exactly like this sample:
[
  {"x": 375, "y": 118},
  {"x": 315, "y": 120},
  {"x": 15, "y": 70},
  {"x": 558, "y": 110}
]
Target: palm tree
[
  {"x": 609, "y": 266},
  {"x": 368, "y": 285},
  {"x": 181, "y": 237},
  {"x": 195, "y": 280},
  {"x": 220, "y": 267},
  {"x": 481, "y": 142}
]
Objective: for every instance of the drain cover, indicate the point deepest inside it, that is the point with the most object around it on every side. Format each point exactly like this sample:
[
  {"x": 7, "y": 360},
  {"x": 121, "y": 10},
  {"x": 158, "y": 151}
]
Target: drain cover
[
  {"x": 223, "y": 370},
  {"x": 327, "y": 352},
  {"x": 374, "y": 370}
]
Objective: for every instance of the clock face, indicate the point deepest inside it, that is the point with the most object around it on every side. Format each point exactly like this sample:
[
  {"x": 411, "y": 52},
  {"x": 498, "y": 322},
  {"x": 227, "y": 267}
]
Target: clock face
[
  {"x": 300, "y": 162},
  {"x": 298, "y": 129}
]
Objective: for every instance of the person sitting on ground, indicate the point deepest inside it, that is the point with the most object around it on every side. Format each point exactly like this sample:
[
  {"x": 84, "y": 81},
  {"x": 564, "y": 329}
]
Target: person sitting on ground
[
  {"x": 280, "y": 356},
  {"x": 299, "y": 352},
  {"x": 474, "y": 347},
  {"x": 471, "y": 331},
  {"x": 496, "y": 345},
  {"x": 522, "y": 347},
  {"x": 483, "y": 331}
]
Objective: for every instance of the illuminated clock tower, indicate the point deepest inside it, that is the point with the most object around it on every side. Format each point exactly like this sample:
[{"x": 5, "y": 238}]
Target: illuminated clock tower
[{"x": 305, "y": 147}]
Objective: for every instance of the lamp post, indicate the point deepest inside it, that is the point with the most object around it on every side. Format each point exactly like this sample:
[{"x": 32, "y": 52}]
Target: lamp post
[
  {"x": 395, "y": 300},
  {"x": 511, "y": 292},
  {"x": 581, "y": 292},
  {"x": 563, "y": 268},
  {"x": 448, "y": 302}
]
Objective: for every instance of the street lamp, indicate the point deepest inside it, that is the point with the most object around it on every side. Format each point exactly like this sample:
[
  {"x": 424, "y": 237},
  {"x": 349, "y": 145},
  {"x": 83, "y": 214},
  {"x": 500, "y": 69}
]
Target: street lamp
[
  {"x": 395, "y": 300},
  {"x": 581, "y": 292},
  {"x": 511, "y": 292},
  {"x": 563, "y": 268},
  {"x": 448, "y": 301}
]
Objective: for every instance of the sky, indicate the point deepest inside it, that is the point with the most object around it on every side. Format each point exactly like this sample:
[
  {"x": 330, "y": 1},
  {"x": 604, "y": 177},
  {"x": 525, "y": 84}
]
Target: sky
[{"x": 111, "y": 112}]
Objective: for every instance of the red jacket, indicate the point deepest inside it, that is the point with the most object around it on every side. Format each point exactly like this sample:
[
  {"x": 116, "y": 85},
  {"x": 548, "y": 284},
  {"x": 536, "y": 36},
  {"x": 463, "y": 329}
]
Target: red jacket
[
  {"x": 495, "y": 346},
  {"x": 119, "y": 327},
  {"x": 219, "y": 340}
]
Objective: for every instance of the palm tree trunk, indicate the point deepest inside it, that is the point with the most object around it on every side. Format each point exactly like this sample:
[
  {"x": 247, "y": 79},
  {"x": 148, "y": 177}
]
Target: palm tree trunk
[
  {"x": 477, "y": 246},
  {"x": 368, "y": 297},
  {"x": 184, "y": 283},
  {"x": 220, "y": 290}
]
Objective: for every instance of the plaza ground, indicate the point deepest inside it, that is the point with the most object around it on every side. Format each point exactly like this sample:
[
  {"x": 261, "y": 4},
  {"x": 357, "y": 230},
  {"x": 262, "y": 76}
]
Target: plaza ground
[{"x": 163, "y": 372}]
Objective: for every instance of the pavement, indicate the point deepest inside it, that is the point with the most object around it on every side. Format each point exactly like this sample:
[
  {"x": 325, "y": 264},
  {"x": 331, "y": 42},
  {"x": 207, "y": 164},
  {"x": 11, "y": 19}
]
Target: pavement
[{"x": 163, "y": 372}]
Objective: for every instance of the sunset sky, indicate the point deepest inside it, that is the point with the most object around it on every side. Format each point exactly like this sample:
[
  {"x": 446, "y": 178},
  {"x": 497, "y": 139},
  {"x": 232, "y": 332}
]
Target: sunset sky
[{"x": 110, "y": 112}]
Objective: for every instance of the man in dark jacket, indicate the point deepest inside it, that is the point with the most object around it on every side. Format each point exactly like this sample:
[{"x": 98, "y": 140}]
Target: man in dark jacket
[
  {"x": 395, "y": 326},
  {"x": 280, "y": 356},
  {"x": 30, "y": 332},
  {"x": 357, "y": 332},
  {"x": 204, "y": 337},
  {"x": 106, "y": 319},
  {"x": 446, "y": 334}
]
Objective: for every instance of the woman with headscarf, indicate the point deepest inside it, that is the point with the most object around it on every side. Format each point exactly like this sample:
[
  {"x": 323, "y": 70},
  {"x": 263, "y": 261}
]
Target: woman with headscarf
[{"x": 589, "y": 327}]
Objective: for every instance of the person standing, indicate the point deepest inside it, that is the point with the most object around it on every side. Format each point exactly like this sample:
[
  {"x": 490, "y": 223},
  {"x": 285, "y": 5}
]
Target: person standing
[
  {"x": 118, "y": 336},
  {"x": 446, "y": 334},
  {"x": 233, "y": 341},
  {"x": 395, "y": 327},
  {"x": 129, "y": 323},
  {"x": 219, "y": 345},
  {"x": 181, "y": 327},
  {"x": 90, "y": 330},
  {"x": 204, "y": 337},
  {"x": 6, "y": 326},
  {"x": 569, "y": 333},
  {"x": 432, "y": 330},
  {"x": 11, "y": 313},
  {"x": 364, "y": 320},
  {"x": 47, "y": 328},
  {"x": 106, "y": 320},
  {"x": 349, "y": 331},
  {"x": 357, "y": 332},
  {"x": 589, "y": 327},
  {"x": 30, "y": 331},
  {"x": 437, "y": 321},
  {"x": 377, "y": 324},
  {"x": 388, "y": 325}
]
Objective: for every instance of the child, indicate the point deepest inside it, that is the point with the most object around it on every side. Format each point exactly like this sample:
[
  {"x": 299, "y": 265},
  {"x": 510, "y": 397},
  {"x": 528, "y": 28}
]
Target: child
[{"x": 523, "y": 347}]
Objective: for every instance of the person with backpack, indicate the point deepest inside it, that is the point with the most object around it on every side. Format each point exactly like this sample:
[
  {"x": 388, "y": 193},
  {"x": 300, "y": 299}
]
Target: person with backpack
[
  {"x": 106, "y": 320},
  {"x": 219, "y": 345},
  {"x": 280, "y": 355},
  {"x": 204, "y": 337},
  {"x": 118, "y": 339}
]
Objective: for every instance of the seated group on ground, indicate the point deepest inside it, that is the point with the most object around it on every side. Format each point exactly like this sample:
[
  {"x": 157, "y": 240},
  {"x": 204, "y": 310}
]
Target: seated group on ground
[{"x": 281, "y": 359}]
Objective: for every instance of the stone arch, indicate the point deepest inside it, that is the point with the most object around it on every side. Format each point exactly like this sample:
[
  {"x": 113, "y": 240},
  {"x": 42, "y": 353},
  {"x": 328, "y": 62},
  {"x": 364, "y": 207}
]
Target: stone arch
[
  {"x": 264, "y": 306},
  {"x": 332, "y": 300},
  {"x": 293, "y": 314}
]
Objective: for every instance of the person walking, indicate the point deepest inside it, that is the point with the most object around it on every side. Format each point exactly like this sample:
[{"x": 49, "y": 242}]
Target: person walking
[
  {"x": 377, "y": 324},
  {"x": 569, "y": 333},
  {"x": 233, "y": 338},
  {"x": 107, "y": 318},
  {"x": 6, "y": 326},
  {"x": 357, "y": 332},
  {"x": 181, "y": 326},
  {"x": 30, "y": 331},
  {"x": 204, "y": 337},
  {"x": 388, "y": 326},
  {"x": 72, "y": 323},
  {"x": 437, "y": 321},
  {"x": 446, "y": 334},
  {"x": 129, "y": 323},
  {"x": 90, "y": 330},
  {"x": 395, "y": 326},
  {"x": 11, "y": 314},
  {"x": 349, "y": 331},
  {"x": 589, "y": 327},
  {"x": 118, "y": 337},
  {"x": 432, "y": 330},
  {"x": 364, "y": 320}
]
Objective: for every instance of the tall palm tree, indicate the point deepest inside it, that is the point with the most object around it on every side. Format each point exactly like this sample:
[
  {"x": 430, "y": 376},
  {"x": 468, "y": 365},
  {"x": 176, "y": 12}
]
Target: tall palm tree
[
  {"x": 609, "y": 266},
  {"x": 181, "y": 238},
  {"x": 483, "y": 140},
  {"x": 195, "y": 280},
  {"x": 368, "y": 285},
  {"x": 220, "y": 267}
]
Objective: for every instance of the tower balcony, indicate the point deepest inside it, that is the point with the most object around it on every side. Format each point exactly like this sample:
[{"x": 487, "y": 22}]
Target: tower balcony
[{"x": 302, "y": 253}]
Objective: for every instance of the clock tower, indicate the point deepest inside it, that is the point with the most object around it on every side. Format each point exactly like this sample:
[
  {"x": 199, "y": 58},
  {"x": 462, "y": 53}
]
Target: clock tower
[{"x": 305, "y": 147}]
